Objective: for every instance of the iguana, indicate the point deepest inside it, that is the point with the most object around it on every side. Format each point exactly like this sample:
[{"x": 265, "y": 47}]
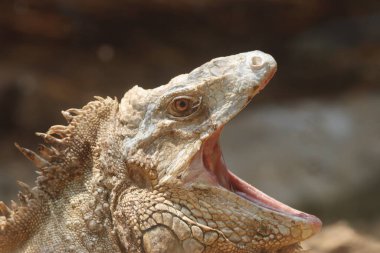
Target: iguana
[{"x": 147, "y": 174}]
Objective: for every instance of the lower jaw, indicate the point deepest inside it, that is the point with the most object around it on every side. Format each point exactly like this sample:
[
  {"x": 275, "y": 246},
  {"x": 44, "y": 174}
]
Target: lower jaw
[{"x": 218, "y": 174}]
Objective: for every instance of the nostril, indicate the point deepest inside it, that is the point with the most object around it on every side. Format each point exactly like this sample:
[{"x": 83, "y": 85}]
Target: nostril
[{"x": 257, "y": 62}]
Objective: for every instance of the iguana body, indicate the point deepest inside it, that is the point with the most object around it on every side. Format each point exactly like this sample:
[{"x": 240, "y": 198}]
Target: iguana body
[{"x": 147, "y": 175}]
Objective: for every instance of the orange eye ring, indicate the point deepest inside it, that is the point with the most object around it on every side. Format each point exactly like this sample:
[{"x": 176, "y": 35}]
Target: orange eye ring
[{"x": 183, "y": 106}]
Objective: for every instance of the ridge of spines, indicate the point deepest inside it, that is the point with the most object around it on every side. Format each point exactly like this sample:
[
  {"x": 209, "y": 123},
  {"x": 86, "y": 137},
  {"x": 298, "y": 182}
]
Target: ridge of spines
[
  {"x": 47, "y": 152},
  {"x": 57, "y": 162},
  {"x": 65, "y": 143},
  {"x": 60, "y": 138},
  {"x": 37, "y": 160},
  {"x": 4, "y": 210},
  {"x": 18, "y": 221},
  {"x": 26, "y": 195}
]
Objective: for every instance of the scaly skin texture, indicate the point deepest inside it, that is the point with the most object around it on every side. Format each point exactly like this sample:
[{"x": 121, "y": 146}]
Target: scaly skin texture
[{"x": 143, "y": 175}]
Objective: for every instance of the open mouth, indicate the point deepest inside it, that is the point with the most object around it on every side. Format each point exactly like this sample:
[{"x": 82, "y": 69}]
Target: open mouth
[{"x": 208, "y": 165}]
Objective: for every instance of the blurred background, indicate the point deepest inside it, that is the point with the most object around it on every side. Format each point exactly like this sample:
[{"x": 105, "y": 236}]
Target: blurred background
[{"x": 310, "y": 139}]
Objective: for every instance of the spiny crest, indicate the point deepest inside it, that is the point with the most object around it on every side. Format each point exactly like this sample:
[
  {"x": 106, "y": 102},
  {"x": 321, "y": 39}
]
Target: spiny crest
[
  {"x": 68, "y": 147},
  {"x": 67, "y": 151},
  {"x": 20, "y": 220}
]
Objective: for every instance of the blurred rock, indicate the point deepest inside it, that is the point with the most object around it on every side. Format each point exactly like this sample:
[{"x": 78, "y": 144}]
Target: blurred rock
[{"x": 341, "y": 238}]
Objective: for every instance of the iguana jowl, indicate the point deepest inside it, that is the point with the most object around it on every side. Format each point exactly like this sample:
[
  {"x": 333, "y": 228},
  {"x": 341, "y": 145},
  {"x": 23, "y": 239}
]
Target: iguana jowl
[{"x": 147, "y": 174}]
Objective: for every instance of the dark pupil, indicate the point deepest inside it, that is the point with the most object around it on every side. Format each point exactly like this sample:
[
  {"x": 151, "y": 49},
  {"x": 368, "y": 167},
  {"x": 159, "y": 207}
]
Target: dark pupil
[{"x": 182, "y": 104}]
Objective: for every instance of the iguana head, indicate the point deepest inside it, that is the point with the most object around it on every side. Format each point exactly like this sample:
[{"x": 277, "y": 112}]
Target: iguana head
[{"x": 172, "y": 153}]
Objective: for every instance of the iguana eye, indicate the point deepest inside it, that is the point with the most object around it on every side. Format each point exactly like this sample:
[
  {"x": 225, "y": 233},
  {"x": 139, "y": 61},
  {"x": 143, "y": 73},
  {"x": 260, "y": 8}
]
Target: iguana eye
[{"x": 183, "y": 106}]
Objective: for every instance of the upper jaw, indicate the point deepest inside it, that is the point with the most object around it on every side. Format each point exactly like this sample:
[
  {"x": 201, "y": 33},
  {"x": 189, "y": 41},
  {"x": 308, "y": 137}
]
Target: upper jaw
[
  {"x": 241, "y": 75},
  {"x": 248, "y": 66},
  {"x": 240, "y": 82}
]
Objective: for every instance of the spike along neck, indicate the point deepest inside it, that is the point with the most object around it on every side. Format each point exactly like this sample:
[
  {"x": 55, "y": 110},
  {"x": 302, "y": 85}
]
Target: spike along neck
[
  {"x": 70, "y": 149},
  {"x": 68, "y": 153}
]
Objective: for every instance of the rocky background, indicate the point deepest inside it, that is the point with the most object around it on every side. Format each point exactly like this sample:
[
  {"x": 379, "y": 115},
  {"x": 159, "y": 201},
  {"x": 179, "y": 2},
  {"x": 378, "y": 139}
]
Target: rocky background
[{"x": 311, "y": 139}]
